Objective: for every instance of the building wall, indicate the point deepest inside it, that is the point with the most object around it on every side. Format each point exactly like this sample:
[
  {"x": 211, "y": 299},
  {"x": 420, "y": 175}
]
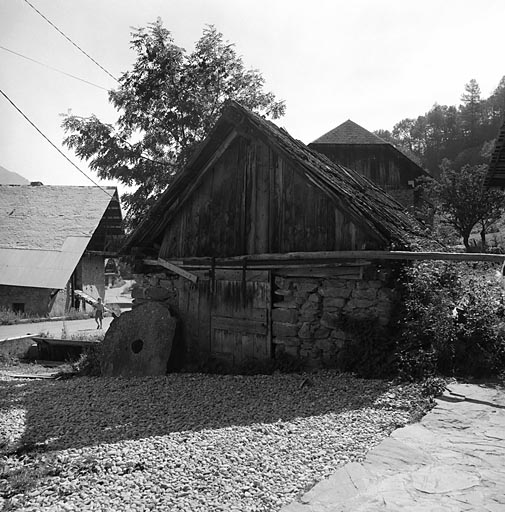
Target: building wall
[
  {"x": 91, "y": 275},
  {"x": 306, "y": 316},
  {"x": 36, "y": 300},
  {"x": 382, "y": 164},
  {"x": 255, "y": 201},
  {"x": 312, "y": 316},
  {"x": 61, "y": 302}
]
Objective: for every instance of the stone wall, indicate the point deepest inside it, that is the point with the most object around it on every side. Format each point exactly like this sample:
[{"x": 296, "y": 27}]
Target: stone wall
[
  {"x": 158, "y": 287},
  {"x": 309, "y": 314}
]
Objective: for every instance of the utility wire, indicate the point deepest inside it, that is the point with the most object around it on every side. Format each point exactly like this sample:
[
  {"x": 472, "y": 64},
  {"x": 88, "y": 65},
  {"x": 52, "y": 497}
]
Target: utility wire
[
  {"x": 54, "y": 145},
  {"x": 70, "y": 40},
  {"x": 53, "y": 69}
]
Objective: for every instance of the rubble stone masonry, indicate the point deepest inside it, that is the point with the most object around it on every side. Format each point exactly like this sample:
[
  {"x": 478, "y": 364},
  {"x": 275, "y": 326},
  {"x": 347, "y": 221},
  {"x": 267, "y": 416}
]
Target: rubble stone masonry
[{"x": 309, "y": 314}]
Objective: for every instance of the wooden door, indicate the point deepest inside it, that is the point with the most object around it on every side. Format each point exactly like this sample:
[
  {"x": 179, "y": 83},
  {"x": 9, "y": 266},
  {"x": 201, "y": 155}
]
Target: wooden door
[{"x": 240, "y": 320}]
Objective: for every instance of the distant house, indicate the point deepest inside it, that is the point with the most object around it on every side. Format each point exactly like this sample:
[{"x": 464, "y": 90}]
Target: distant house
[
  {"x": 53, "y": 241},
  {"x": 496, "y": 172},
  {"x": 353, "y": 146},
  {"x": 112, "y": 274}
]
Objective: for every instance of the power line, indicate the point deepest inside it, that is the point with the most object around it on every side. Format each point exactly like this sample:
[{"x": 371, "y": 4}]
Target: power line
[
  {"x": 70, "y": 40},
  {"x": 54, "y": 145},
  {"x": 53, "y": 69}
]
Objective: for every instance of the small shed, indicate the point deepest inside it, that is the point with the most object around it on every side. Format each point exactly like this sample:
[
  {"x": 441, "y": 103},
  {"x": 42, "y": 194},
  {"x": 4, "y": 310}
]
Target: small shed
[
  {"x": 253, "y": 245},
  {"x": 353, "y": 146},
  {"x": 53, "y": 241}
]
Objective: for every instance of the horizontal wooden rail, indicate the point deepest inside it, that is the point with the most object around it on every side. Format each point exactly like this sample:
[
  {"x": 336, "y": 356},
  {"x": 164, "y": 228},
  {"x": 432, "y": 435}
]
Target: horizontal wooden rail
[{"x": 335, "y": 257}]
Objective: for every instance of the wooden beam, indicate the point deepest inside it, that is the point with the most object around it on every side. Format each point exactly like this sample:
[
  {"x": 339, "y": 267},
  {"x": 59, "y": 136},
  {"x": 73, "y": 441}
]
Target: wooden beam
[
  {"x": 339, "y": 257},
  {"x": 173, "y": 268}
]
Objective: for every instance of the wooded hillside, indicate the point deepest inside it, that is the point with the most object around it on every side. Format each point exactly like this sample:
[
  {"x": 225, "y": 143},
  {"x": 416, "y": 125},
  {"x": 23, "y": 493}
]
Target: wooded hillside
[{"x": 463, "y": 134}]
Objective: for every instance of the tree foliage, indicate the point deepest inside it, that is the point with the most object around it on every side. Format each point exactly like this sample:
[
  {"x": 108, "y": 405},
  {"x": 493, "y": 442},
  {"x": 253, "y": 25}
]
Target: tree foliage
[
  {"x": 465, "y": 202},
  {"x": 166, "y": 103},
  {"x": 462, "y": 134}
]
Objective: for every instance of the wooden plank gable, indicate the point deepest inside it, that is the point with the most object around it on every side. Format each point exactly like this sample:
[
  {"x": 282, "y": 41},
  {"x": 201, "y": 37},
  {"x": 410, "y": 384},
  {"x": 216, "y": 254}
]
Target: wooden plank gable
[{"x": 254, "y": 200}]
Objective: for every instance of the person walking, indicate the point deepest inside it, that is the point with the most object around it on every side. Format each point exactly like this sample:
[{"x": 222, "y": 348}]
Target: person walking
[{"x": 99, "y": 309}]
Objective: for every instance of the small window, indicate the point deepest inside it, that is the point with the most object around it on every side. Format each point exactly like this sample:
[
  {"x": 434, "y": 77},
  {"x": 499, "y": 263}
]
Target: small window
[{"x": 18, "y": 307}]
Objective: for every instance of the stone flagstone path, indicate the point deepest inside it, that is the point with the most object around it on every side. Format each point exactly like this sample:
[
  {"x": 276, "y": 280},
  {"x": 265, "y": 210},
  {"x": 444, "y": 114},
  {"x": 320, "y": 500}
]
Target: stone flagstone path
[{"x": 452, "y": 461}]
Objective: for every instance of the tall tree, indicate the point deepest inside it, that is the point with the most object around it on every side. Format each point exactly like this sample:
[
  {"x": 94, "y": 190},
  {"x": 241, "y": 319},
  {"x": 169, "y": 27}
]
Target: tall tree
[
  {"x": 471, "y": 107},
  {"x": 167, "y": 103},
  {"x": 466, "y": 202}
]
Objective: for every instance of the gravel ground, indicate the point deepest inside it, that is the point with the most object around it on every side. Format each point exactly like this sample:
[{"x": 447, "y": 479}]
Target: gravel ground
[{"x": 187, "y": 442}]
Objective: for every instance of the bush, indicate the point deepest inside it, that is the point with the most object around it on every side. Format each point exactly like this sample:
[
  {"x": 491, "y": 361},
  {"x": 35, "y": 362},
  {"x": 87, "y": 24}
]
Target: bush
[
  {"x": 372, "y": 353},
  {"x": 9, "y": 317},
  {"x": 435, "y": 338},
  {"x": 88, "y": 363}
]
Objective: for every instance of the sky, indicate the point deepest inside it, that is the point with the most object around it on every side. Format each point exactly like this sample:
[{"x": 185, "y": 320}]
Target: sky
[{"x": 373, "y": 61}]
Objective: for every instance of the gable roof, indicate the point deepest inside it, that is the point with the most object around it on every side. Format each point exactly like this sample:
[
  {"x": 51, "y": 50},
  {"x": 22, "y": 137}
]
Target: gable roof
[
  {"x": 367, "y": 204},
  {"x": 44, "y": 230},
  {"x": 496, "y": 172},
  {"x": 349, "y": 132}
]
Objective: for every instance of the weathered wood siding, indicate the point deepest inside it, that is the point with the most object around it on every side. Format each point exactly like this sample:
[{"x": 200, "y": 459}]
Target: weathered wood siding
[
  {"x": 254, "y": 201},
  {"x": 381, "y": 164},
  {"x": 226, "y": 318}
]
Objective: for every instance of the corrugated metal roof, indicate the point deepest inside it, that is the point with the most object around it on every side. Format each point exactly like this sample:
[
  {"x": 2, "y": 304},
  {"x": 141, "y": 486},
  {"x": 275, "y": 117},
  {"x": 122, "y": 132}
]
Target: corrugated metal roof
[
  {"x": 44, "y": 231},
  {"x": 40, "y": 268}
]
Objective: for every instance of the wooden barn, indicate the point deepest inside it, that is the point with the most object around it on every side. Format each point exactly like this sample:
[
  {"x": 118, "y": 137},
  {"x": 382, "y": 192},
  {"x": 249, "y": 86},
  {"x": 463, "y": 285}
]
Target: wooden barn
[
  {"x": 253, "y": 247},
  {"x": 353, "y": 146},
  {"x": 53, "y": 241}
]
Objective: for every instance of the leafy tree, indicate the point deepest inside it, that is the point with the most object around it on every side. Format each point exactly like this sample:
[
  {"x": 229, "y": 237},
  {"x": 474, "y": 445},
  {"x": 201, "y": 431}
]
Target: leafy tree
[
  {"x": 465, "y": 202},
  {"x": 167, "y": 103}
]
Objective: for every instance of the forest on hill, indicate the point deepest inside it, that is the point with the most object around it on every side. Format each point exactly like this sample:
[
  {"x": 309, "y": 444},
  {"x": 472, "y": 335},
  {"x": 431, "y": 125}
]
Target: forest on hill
[{"x": 463, "y": 134}]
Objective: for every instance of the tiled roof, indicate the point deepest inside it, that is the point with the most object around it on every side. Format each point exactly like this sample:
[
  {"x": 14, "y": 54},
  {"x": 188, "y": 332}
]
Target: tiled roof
[
  {"x": 43, "y": 217},
  {"x": 365, "y": 202},
  {"x": 349, "y": 133}
]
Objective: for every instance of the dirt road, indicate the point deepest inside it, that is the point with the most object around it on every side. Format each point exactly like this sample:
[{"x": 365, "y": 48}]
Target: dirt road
[{"x": 54, "y": 328}]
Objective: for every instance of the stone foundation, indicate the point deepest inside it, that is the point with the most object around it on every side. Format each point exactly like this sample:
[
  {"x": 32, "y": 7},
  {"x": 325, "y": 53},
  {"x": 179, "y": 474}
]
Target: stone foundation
[{"x": 309, "y": 314}]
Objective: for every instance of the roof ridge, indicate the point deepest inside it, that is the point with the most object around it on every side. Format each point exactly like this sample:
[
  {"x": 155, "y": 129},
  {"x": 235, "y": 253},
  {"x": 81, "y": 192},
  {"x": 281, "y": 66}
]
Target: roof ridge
[
  {"x": 349, "y": 132},
  {"x": 364, "y": 201}
]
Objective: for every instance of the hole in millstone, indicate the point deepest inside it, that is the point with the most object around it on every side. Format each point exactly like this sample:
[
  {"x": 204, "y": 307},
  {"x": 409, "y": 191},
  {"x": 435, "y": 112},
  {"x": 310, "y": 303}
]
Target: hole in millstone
[{"x": 137, "y": 346}]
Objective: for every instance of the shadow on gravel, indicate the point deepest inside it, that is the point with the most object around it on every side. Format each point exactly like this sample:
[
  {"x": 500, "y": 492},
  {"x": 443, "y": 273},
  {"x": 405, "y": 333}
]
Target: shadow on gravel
[{"x": 88, "y": 411}]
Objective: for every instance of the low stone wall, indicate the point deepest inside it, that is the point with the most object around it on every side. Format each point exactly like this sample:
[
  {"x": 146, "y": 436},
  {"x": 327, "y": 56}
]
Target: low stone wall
[{"x": 309, "y": 314}]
